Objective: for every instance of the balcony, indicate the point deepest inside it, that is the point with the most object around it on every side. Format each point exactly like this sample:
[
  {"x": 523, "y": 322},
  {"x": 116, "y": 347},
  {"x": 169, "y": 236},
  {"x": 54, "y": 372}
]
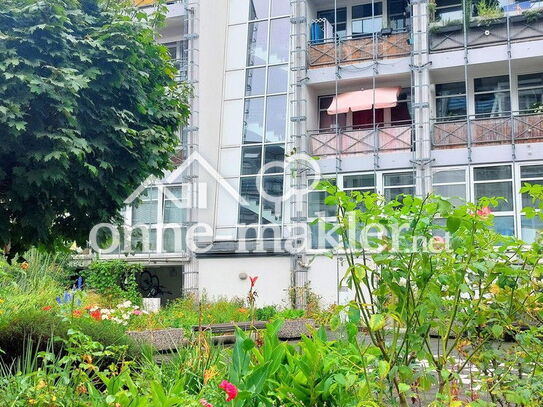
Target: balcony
[
  {"x": 517, "y": 128},
  {"x": 352, "y": 141},
  {"x": 349, "y": 50},
  {"x": 525, "y": 23}
]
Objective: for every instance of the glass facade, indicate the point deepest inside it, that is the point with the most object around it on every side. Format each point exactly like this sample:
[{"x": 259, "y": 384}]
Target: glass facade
[{"x": 264, "y": 117}]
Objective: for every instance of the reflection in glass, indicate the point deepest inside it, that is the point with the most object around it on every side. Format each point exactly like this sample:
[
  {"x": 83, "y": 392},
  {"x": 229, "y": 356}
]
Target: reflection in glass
[
  {"x": 492, "y": 173},
  {"x": 530, "y": 228},
  {"x": 248, "y": 214},
  {"x": 257, "y": 43},
  {"x": 274, "y": 153},
  {"x": 251, "y": 158},
  {"x": 258, "y": 9},
  {"x": 277, "y": 79},
  {"x": 502, "y": 189},
  {"x": 504, "y": 225},
  {"x": 271, "y": 201},
  {"x": 276, "y": 115},
  {"x": 255, "y": 82},
  {"x": 253, "y": 120},
  {"x": 279, "y": 41},
  {"x": 280, "y": 8}
]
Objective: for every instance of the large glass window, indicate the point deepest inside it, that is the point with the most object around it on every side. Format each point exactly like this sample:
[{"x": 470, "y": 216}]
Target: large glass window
[
  {"x": 279, "y": 41},
  {"x": 450, "y": 184},
  {"x": 449, "y": 10},
  {"x": 145, "y": 210},
  {"x": 451, "y": 101},
  {"x": 258, "y": 43},
  {"x": 174, "y": 211},
  {"x": 255, "y": 83},
  {"x": 327, "y": 121},
  {"x": 253, "y": 120},
  {"x": 339, "y": 26},
  {"x": 258, "y": 9},
  {"x": 367, "y": 18},
  {"x": 497, "y": 181},
  {"x": 276, "y": 116},
  {"x": 532, "y": 174},
  {"x": 398, "y": 183},
  {"x": 492, "y": 96},
  {"x": 398, "y": 13},
  {"x": 530, "y": 93}
]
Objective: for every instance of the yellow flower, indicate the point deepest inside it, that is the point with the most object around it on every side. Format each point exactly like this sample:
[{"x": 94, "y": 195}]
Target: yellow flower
[
  {"x": 494, "y": 289},
  {"x": 1, "y": 301},
  {"x": 41, "y": 384}
]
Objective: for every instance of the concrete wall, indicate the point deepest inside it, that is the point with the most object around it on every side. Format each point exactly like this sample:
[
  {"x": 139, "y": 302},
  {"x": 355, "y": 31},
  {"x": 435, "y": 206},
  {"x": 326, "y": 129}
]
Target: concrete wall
[{"x": 219, "y": 277}]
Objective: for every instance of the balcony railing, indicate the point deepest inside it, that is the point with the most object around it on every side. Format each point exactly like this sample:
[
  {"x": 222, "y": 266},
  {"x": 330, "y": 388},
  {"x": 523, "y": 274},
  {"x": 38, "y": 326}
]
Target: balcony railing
[
  {"x": 350, "y": 141},
  {"x": 354, "y": 49},
  {"x": 481, "y": 33},
  {"x": 517, "y": 127}
]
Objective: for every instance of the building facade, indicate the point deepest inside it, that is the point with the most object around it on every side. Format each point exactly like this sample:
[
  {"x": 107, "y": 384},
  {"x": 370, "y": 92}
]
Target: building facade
[{"x": 392, "y": 96}]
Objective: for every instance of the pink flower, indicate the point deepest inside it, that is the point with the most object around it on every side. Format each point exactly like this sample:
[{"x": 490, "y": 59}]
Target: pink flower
[
  {"x": 484, "y": 212},
  {"x": 137, "y": 312},
  {"x": 253, "y": 280},
  {"x": 205, "y": 403},
  {"x": 230, "y": 389}
]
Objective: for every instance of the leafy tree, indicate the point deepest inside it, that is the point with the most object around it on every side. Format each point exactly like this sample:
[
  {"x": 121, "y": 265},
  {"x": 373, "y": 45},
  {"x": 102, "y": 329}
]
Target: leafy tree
[{"x": 89, "y": 108}]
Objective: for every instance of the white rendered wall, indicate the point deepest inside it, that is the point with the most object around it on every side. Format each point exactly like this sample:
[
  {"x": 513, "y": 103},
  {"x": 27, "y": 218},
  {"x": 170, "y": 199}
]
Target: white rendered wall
[{"x": 219, "y": 277}]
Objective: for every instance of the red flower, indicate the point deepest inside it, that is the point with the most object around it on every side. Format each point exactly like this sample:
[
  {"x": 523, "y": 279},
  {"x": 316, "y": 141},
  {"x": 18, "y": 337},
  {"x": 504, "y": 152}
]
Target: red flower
[
  {"x": 47, "y": 308},
  {"x": 230, "y": 389},
  {"x": 76, "y": 313},
  {"x": 96, "y": 314},
  {"x": 484, "y": 212},
  {"x": 253, "y": 280},
  {"x": 205, "y": 403}
]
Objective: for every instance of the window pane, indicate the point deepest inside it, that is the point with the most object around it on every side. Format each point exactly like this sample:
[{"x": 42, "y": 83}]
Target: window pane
[
  {"x": 249, "y": 213},
  {"x": 492, "y": 104},
  {"x": 174, "y": 211},
  {"x": 318, "y": 237},
  {"x": 366, "y": 10},
  {"x": 277, "y": 79},
  {"x": 137, "y": 240},
  {"x": 173, "y": 240},
  {"x": 280, "y": 8},
  {"x": 451, "y": 191},
  {"x": 327, "y": 121},
  {"x": 492, "y": 173},
  {"x": 325, "y": 102},
  {"x": 531, "y": 80},
  {"x": 399, "y": 178},
  {"x": 275, "y": 154},
  {"x": 258, "y": 9},
  {"x": 496, "y": 189},
  {"x": 492, "y": 84},
  {"x": 530, "y": 228},
  {"x": 454, "y": 106},
  {"x": 359, "y": 181},
  {"x": 253, "y": 121},
  {"x": 317, "y": 207},
  {"x": 251, "y": 158},
  {"x": 257, "y": 43},
  {"x": 527, "y": 200},
  {"x": 371, "y": 25},
  {"x": 271, "y": 201},
  {"x": 453, "y": 88},
  {"x": 504, "y": 225},
  {"x": 340, "y": 28},
  {"x": 441, "y": 177},
  {"x": 276, "y": 116},
  {"x": 392, "y": 193},
  {"x": 279, "y": 40},
  {"x": 530, "y": 100},
  {"x": 531, "y": 171},
  {"x": 256, "y": 81},
  {"x": 145, "y": 212}
]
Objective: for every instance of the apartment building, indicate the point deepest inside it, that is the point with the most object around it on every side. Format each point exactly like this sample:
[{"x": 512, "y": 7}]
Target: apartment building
[{"x": 392, "y": 96}]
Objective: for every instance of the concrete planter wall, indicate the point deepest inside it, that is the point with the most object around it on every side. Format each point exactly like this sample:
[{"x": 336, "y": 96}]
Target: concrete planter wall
[
  {"x": 160, "y": 339},
  {"x": 295, "y": 328}
]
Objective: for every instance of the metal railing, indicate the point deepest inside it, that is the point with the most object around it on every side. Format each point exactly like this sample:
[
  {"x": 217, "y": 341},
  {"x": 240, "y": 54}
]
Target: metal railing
[
  {"x": 523, "y": 26},
  {"x": 393, "y": 137},
  {"x": 515, "y": 127},
  {"x": 358, "y": 48}
]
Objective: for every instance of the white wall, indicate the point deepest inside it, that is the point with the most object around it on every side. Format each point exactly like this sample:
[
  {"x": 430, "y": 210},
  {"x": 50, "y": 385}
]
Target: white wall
[{"x": 219, "y": 277}]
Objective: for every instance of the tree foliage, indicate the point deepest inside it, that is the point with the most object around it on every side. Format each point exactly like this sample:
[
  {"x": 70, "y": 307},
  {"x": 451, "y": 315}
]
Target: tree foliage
[{"x": 89, "y": 108}]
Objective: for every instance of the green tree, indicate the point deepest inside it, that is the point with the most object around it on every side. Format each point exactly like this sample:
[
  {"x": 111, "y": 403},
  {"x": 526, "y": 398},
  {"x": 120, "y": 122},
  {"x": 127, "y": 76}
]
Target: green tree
[{"x": 89, "y": 108}]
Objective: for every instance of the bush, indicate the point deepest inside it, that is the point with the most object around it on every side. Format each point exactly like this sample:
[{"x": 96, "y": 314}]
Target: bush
[
  {"x": 115, "y": 279},
  {"x": 266, "y": 313}
]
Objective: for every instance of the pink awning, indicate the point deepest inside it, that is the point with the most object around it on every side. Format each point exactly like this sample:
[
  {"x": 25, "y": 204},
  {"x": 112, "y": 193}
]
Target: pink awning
[{"x": 381, "y": 98}]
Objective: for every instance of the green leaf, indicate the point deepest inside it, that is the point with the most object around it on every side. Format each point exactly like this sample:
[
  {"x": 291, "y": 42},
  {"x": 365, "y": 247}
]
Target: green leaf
[
  {"x": 384, "y": 368},
  {"x": 377, "y": 322},
  {"x": 497, "y": 331},
  {"x": 404, "y": 388},
  {"x": 453, "y": 223}
]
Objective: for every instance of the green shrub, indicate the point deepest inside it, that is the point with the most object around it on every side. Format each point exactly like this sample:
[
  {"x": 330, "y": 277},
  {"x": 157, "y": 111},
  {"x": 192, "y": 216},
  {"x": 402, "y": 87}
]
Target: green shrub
[
  {"x": 115, "y": 279},
  {"x": 266, "y": 313}
]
